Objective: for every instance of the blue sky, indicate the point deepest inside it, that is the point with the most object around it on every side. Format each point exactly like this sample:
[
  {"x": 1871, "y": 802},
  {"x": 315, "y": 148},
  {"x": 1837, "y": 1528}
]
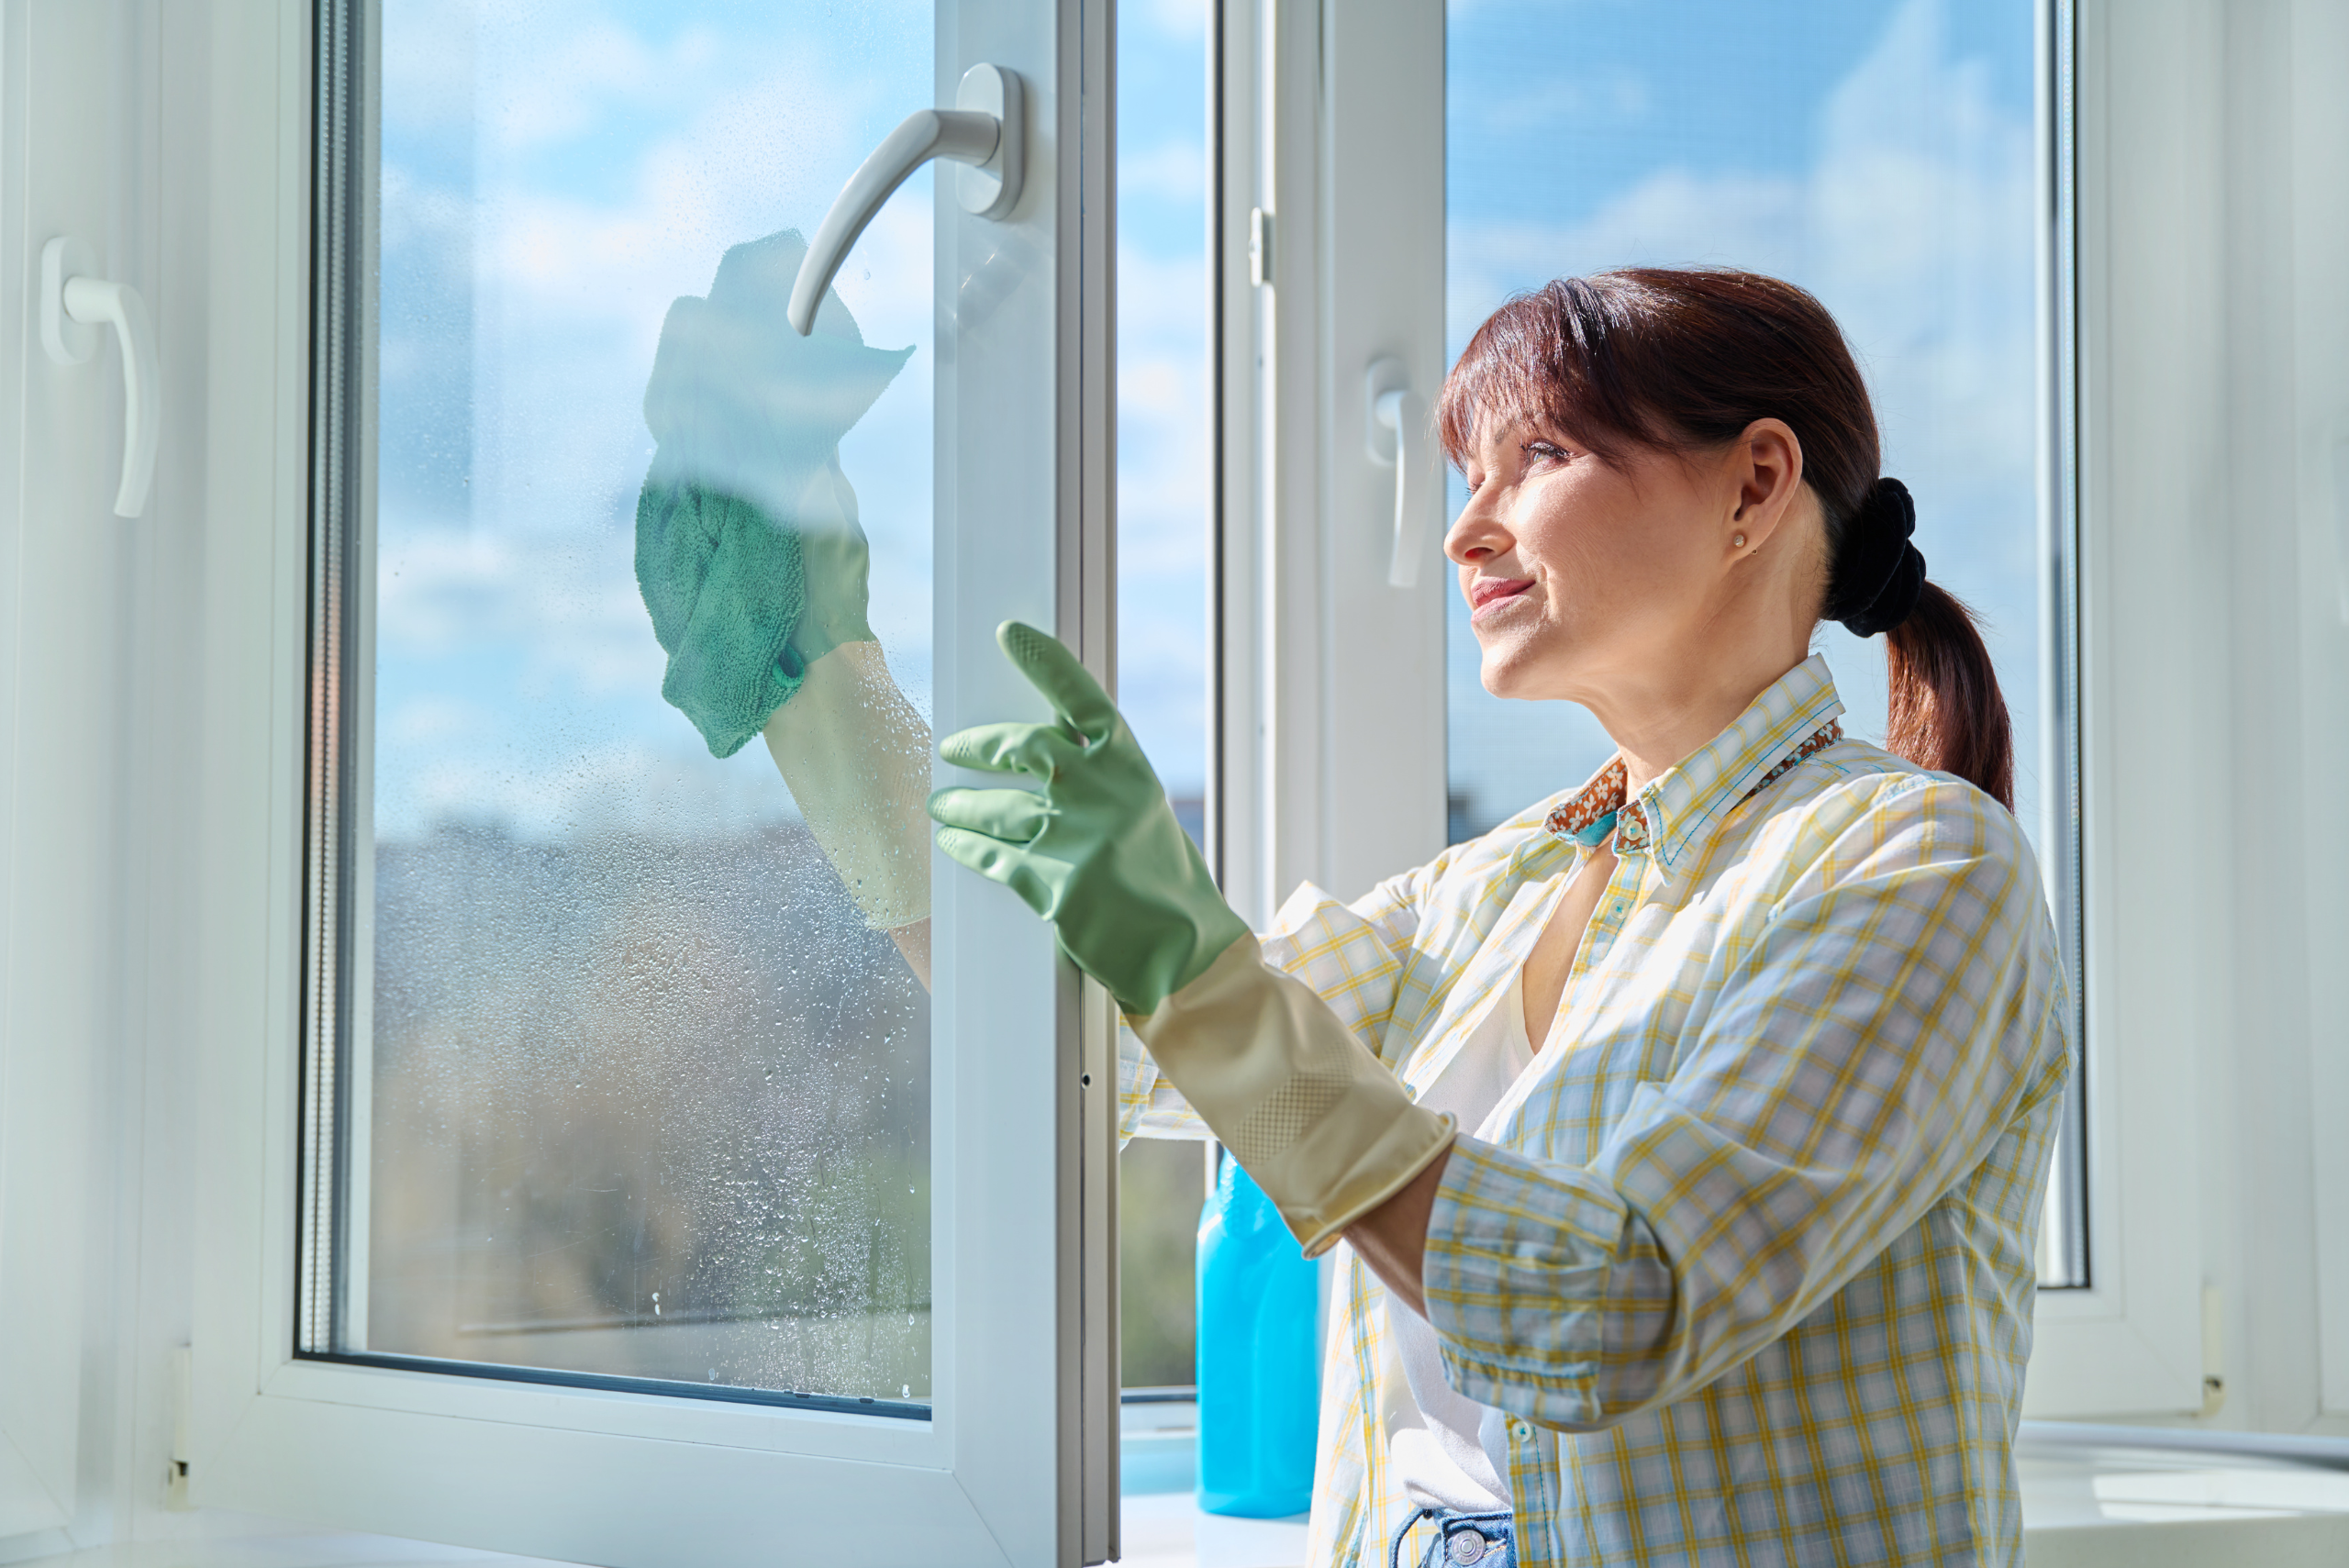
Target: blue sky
[{"x": 547, "y": 192}]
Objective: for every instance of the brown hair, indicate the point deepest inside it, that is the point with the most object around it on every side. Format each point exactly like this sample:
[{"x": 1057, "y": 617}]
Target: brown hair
[{"x": 1680, "y": 360}]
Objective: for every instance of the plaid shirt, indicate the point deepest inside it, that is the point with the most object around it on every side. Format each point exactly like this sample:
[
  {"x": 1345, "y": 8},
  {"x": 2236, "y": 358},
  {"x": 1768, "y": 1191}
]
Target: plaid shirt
[{"x": 1749, "y": 1266}]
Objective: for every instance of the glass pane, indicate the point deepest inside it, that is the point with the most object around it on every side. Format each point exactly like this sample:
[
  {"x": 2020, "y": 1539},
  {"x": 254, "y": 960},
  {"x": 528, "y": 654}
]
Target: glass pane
[
  {"x": 1882, "y": 153},
  {"x": 644, "y": 1093},
  {"x": 1161, "y": 570}
]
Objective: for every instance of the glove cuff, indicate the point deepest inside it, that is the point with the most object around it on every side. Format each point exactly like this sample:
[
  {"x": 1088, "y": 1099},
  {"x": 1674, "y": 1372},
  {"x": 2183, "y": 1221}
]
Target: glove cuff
[
  {"x": 856, "y": 757},
  {"x": 1326, "y": 1129}
]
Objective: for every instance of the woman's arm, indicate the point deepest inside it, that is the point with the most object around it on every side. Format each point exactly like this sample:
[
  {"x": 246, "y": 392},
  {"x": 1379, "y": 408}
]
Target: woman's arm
[{"x": 1393, "y": 1238}]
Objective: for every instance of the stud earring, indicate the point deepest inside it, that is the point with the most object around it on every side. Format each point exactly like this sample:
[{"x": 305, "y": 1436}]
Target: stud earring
[{"x": 1737, "y": 542}]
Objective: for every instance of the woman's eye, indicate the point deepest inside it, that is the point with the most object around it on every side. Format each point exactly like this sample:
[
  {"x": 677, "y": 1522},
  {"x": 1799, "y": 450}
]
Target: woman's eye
[{"x": 1543, "y": 451}]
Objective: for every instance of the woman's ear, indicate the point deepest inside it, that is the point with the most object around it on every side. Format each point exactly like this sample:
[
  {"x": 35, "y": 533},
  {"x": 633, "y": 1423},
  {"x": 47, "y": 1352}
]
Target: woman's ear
[{"x": 1764, "y": 466}]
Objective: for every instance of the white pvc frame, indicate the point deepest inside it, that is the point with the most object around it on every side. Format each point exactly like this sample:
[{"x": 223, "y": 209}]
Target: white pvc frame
[
  {"x": 66, "y": 666},
  {"x": 1017, "y": 1465},
  {"x": 1329, "y": 124},
  {"x": 2131, "y": 1342}
]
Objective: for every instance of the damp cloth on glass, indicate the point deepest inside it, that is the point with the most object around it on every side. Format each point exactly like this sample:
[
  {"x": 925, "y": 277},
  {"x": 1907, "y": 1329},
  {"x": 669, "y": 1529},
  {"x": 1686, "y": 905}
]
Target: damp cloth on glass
[{"x": 747, "y": 551}]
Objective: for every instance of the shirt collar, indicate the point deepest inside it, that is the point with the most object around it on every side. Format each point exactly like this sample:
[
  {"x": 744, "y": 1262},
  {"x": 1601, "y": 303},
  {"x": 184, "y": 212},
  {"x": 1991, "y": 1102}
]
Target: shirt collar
[{"x": 1667, "y": 815}]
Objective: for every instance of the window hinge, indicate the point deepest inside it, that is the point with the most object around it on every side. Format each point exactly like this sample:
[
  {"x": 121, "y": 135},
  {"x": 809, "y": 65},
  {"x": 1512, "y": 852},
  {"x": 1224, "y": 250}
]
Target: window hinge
[
  {"x": 176, "y": 1480},
  {"x": 1260, "y": 247}
]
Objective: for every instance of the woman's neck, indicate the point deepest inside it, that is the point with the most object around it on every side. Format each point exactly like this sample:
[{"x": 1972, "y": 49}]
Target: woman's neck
[{"x": 1659, "y": 726}]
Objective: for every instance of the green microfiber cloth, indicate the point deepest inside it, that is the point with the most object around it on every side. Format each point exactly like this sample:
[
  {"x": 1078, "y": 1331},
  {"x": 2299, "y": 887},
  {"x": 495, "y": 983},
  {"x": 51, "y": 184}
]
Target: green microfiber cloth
[{"x": 749, "y": 414}]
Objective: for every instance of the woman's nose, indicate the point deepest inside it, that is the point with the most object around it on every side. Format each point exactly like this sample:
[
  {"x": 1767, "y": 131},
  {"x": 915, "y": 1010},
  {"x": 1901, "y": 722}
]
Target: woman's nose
[{"x": 1475, "y": 534}]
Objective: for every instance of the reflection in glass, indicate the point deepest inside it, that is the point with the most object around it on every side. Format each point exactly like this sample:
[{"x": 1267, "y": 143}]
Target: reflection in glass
[
  {"x": 1882, "y": 153},
  {"x": 640, "y": 1082}
]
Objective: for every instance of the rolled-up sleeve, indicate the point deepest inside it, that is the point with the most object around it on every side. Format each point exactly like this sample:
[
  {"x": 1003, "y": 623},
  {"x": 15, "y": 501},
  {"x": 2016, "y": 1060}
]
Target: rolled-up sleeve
[{"x": 1864, "y": 1040}]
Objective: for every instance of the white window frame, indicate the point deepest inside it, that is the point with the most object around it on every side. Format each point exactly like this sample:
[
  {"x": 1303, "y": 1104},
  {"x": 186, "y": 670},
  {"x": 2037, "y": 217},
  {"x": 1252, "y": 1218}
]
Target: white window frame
[
  {"x": 1328, "y": 123},
  {"x": 1019, "y": 1462},
  {"x": 65, "y": 670}
]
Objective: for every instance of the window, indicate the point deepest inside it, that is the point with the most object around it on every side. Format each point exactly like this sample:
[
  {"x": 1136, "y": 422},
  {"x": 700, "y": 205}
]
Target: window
[
  {"x": 632, "y": 1091},
  {"x": 1888, "y": 155},
  {"x": 572, "y": 1118}
]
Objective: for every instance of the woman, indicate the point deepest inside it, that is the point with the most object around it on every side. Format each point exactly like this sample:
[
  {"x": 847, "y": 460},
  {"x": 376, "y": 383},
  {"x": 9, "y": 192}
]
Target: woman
[{"x": 1688, "y": 1130}]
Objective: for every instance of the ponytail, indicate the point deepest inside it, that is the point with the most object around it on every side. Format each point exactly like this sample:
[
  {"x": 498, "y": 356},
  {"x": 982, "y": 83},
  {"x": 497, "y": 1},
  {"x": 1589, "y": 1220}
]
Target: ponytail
[{"x": 1942, "y": 707}]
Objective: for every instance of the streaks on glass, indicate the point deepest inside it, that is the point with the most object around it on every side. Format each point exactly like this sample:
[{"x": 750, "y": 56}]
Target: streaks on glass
[{"x": 626, "y": 1086}]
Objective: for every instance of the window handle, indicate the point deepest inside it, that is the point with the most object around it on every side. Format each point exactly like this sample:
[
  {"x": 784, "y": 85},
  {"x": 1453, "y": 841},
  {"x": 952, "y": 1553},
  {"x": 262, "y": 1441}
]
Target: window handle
[
  {"x": 1395, "y": 418},
  {"x": 985, "y": 131},
  {"x": 73, "y": 305}
]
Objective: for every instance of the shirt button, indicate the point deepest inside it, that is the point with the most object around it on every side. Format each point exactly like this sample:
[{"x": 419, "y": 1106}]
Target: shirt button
[{"x": 1520, "y": 1431}]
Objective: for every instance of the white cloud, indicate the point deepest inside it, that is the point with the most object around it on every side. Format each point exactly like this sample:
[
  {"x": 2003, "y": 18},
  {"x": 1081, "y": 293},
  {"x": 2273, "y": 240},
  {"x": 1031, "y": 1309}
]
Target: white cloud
[
  {"x": 1169, "y": 171},
  {"x": 1179, "y": 20},
  {"x": 1162, "y": 508}
]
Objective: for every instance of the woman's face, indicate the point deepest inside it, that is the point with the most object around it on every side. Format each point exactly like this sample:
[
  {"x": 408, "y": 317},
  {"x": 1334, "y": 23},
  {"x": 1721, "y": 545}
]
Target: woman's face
[{"x": 1580, "y": 573}]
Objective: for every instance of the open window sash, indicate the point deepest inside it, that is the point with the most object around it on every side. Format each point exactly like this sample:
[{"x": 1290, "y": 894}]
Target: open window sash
[{"x": 1014, "y": 1459}]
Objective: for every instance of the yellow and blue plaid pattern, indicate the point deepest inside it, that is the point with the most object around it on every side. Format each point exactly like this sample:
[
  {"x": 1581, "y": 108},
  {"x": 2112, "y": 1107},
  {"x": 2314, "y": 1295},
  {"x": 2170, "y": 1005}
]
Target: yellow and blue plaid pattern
[{"x": 1751, "y": 1264}]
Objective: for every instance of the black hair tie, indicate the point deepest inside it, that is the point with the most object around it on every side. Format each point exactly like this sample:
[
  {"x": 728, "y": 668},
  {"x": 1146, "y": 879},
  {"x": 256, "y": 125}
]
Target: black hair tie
[{"x": 1878, "y": 574}]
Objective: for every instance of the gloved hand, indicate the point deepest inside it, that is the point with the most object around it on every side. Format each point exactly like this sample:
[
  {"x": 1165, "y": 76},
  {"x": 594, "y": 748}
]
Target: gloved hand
[
  {"x": 1326, "y": 1129},
  {"x": 754, "y": 569},
  {"x": 1098, "y": 852},
  {"x": 747, "y": 545}
]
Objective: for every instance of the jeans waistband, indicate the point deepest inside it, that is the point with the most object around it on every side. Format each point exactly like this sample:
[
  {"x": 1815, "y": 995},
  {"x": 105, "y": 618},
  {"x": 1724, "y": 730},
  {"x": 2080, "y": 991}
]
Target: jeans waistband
[{"x": 1461, "y": 1541}]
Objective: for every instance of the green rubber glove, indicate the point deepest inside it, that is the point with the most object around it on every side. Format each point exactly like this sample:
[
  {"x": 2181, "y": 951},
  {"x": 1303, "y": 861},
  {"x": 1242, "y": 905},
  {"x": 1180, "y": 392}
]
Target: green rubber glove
[
  {"x": 747, "y": 550},
  {"x": 1097, "y": 850},
  {"x": 1327, "y": 1130}
]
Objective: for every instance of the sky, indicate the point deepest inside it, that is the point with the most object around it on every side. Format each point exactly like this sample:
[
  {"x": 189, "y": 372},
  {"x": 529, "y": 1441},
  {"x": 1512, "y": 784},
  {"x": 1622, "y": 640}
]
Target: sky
[{"x": 547, "y": 191}]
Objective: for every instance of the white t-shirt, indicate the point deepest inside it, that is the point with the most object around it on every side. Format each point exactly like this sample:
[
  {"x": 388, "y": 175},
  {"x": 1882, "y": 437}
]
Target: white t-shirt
[{"x": 1447, "y": 1450}]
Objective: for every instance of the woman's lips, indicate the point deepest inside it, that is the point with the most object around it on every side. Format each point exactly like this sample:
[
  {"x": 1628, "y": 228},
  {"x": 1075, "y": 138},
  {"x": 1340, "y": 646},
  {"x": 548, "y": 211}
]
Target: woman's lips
[{"x": 1488, "y": 593}]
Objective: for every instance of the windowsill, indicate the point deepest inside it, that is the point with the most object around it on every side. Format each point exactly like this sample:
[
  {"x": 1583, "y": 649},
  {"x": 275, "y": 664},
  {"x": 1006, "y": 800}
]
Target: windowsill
[
  {"x": 2144, "y": 1509},
  {"x": 2083, "y": 1508},
  {"x": 2157, "y": 1508}
]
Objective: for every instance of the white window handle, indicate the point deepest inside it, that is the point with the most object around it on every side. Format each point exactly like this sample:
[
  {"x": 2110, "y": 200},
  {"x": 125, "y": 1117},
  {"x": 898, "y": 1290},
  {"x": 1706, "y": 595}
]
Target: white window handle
[
  {"x": 1394, "y": 417},
  {"x": 985, "y": 131},
  {"x": 73, "y": 305}
]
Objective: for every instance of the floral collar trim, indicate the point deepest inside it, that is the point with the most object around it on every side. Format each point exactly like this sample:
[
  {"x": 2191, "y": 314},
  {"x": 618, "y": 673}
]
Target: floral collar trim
[{"x": 1598, "y": 808}]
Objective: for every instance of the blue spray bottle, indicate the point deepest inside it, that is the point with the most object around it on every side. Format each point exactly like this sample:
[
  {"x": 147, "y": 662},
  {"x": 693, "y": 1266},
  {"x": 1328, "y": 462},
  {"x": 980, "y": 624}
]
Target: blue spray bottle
[{"x": 1259, "y": 1344}]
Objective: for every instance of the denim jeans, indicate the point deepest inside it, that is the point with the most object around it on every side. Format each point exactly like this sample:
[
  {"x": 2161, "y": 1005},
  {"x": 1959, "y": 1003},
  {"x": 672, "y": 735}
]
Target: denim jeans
[{"x": 1484, "y": 1539}]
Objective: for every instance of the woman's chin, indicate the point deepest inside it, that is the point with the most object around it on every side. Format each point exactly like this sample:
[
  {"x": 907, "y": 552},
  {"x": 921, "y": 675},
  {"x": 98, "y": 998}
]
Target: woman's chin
[
  {"x": 1507, "y": 674},
  {"x": 1524, "y": 668}
]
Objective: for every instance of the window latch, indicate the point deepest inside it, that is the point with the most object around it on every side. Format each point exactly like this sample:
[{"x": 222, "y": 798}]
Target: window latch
[
  {"x": 73, "y": 305},
  {"x": 1393, "y": 418}
]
